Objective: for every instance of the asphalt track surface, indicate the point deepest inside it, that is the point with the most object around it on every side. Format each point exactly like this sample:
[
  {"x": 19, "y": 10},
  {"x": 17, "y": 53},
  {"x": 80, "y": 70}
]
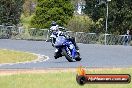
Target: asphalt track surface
[{"x": 93, "y": 55}]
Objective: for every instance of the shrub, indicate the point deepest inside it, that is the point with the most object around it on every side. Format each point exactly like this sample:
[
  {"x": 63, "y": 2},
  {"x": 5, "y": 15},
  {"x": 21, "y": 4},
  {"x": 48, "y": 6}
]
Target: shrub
[
  {"x": 80, "y": 24},
  {"x": 52, "y": 10}
]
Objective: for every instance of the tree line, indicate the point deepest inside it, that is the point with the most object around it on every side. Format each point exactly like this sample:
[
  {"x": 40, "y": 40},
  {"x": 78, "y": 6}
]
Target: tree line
[
  {"x": 10, "y": 11},
  {"x": 119, "y": 18},
  {"x": 63, "y": 11}
]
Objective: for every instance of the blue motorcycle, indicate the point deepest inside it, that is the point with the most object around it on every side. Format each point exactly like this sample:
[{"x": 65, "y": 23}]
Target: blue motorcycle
[{"x": 65, "y": 47}]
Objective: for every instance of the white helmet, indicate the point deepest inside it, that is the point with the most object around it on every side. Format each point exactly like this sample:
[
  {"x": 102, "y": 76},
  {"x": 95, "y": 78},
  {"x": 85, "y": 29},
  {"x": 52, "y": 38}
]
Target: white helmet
[{"x": 53, "y": 23}]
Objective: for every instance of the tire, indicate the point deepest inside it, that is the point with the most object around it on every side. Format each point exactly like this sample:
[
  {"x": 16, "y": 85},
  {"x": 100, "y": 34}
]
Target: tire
[
  {"x": 67, "y": 56},
  {"x": 78, "y": 58}
]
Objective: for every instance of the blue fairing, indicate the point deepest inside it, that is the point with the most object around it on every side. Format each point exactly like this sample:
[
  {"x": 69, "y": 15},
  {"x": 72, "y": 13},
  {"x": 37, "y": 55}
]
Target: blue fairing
[
  {"x": 62, "y": 41},
  {"x": 73, "y": 52}
]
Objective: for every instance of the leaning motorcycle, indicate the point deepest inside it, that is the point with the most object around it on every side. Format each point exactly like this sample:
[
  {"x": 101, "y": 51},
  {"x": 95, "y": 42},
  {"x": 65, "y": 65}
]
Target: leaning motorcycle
[{"x": 67, "y": 49}]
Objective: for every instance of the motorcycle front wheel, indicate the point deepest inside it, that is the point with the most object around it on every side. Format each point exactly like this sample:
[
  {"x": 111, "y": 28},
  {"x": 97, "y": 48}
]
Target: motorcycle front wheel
[
  {"x": 67, "y": 56},
  {"x": 78, "y": 58}
]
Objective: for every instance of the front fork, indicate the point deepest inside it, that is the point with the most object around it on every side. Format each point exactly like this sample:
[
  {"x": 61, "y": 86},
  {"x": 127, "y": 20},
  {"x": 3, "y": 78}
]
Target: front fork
[{"x": 71, "y": 50}]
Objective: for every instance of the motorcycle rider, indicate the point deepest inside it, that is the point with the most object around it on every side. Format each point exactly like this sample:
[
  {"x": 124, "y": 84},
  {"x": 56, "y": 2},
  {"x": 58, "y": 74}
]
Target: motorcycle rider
[{"x": 55, "y": 32}]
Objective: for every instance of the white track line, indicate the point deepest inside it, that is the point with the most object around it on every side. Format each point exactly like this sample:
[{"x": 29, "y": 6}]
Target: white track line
[{"x": 41, "y": 58}]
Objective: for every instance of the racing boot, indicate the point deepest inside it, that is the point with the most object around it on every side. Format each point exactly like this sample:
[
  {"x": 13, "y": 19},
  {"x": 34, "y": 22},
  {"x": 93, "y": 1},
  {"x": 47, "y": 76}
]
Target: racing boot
[{"x": 57, "y": 54}]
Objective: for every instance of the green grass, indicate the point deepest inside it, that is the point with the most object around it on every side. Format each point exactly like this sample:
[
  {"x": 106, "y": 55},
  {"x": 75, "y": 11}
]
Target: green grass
[
  {"x": 9, "y": 56},
  {"x": 58, "y": 80}
]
